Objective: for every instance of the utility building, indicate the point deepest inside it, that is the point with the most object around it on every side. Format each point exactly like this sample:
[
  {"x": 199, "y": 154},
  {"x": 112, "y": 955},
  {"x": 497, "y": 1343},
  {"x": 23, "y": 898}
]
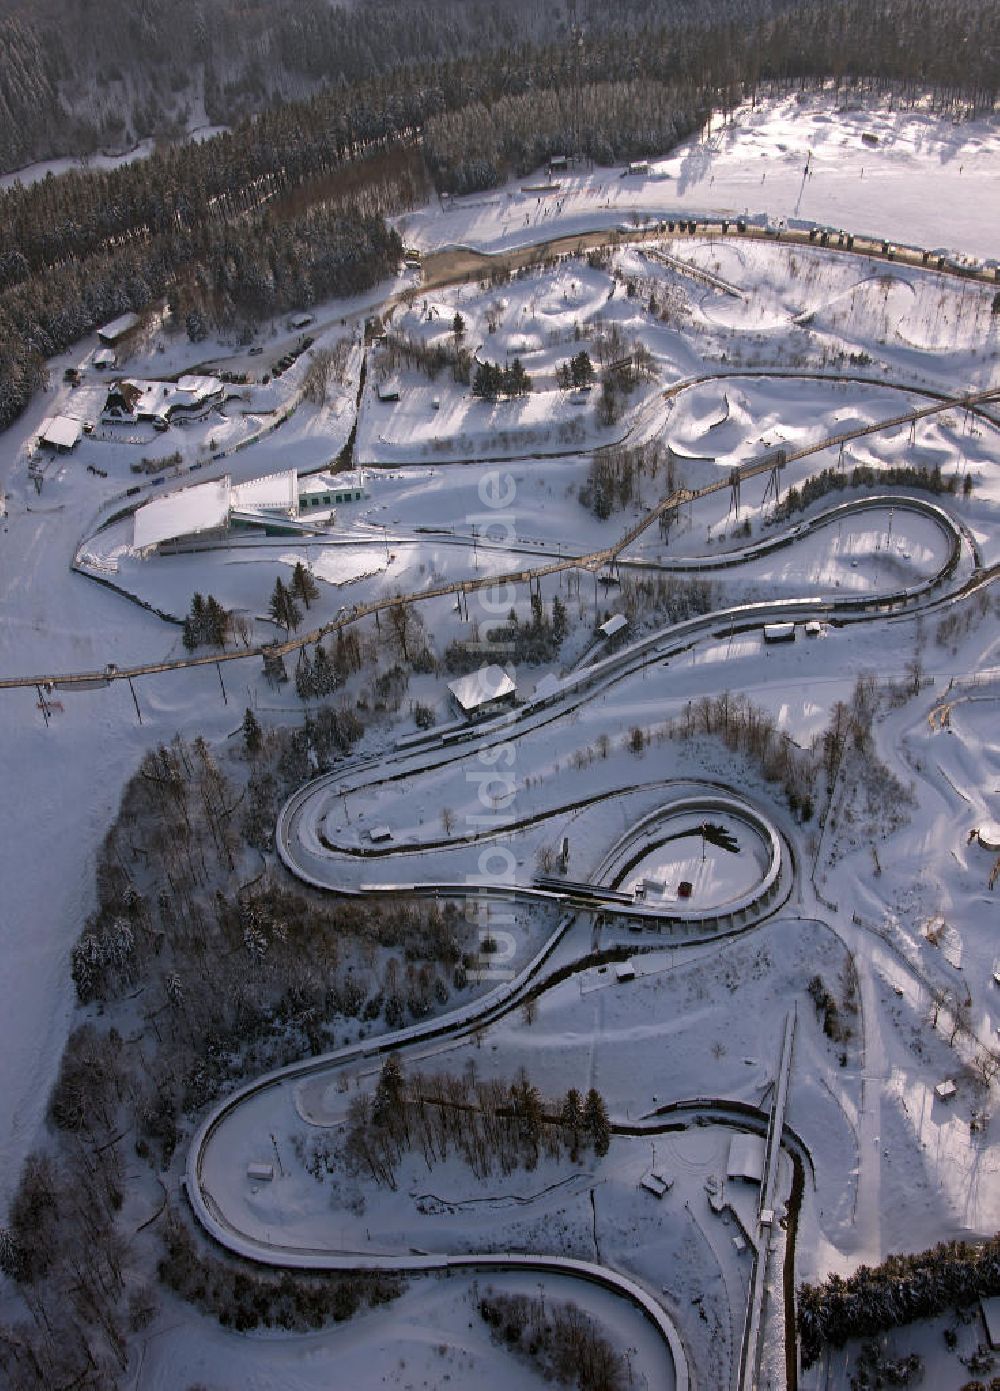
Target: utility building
[
  {"x": 483, "y": 692},
  {"x": 60, "y": 432},
  {"x": 118, "y": 329}
]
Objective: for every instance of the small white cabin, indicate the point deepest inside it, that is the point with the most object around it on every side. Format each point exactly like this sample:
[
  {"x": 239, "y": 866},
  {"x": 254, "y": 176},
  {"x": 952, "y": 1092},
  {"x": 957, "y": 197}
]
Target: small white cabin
[
  {"x": 260, "y": 1173},
  {"x": 779, "y": 632}
]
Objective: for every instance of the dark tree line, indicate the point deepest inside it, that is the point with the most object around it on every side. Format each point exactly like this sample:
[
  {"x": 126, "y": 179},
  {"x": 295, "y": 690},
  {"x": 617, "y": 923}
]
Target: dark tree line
[
  {"x": 222, "y": 273},
  {"x": 492, "y": 381},
  {"x": 900, "y": 1290},
  {"x": 206, "y": 622},
  {"x": 285, "y": 210},
  {"x": 536, "y": 640},
  {"x": 242, "y": 1296},
  {"x": 831, "y": 480},
  {"x": 73, "y": 79}
]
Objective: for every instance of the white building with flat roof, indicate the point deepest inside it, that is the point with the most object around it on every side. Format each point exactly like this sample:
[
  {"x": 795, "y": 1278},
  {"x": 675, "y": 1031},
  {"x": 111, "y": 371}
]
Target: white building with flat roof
[{"x": 321, "y": 491}]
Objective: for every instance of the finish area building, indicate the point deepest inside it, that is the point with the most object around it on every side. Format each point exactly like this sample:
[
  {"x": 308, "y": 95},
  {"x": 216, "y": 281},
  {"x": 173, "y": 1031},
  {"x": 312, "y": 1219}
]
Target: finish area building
[{"x": 273, "y": 505}]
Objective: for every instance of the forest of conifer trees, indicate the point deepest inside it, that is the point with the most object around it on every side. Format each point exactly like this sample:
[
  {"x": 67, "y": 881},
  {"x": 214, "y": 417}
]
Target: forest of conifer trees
[{"x": 286, "y": 209}]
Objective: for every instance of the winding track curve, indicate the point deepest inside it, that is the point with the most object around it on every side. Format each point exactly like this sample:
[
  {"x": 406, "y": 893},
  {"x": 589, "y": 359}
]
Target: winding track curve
[{"x": 497, "y": 1001}]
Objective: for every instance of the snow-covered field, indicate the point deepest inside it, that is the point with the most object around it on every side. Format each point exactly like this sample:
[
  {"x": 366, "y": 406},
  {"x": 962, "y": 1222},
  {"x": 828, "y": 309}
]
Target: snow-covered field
[
  {"x": 929, "y": 182},
  {"x": 892, "y": 885}
]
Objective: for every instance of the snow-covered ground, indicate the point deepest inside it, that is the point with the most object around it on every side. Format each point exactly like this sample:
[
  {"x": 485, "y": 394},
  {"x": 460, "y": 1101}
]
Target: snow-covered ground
[
  {"x": 929, "y": 182},
  {"x": 432, "y": 1336},
  {"x": 895, "y": 1167}
]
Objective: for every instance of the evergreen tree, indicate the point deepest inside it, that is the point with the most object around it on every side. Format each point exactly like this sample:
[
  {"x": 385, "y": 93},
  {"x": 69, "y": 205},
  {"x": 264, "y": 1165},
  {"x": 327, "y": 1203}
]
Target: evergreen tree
[
  {"x": 458, "y": 326},
  {"x": 596, "y": 1123},
  {"x": 283, "y": 608},
  {"x": 527, "y": 1106},
  {"x": 216, "y": 622},
  {"x": 582, "y": 369},
  {"x": 488, "y": 382},
  {"x": 304, "y": 687},
  {"x": 195, "y": 325},
  {"x": 560, "y": 619},
  {"x": 207, "y": 622},
  {"x": 571, "y": 1119},
  {"x": 253, "y": 737},
  {"x": 303, "y": 585},
  {"x": 515, "y": 379},
  {"x": 389, "y": 1109},
  {"x": 323, "y": 675}
]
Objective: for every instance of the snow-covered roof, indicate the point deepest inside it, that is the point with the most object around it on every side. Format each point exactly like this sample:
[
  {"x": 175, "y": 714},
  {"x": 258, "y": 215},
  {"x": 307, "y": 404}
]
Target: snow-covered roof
[
  {"x": 118, "y": 328},
  {"x": 325, "y": 482},
  {"x": 153, "y": 398},
  {"x": 201, "y": 508},
  {"x": 61, "y": 431},
  {"x": 991, "y": 1318},
  {"x": 274, "y": 492},
  {"x": 481, "y": 687},
  {"x": 198, "y": 385},
  {"x": 614, "y": 625},
  {"x": 746, "y": 1158},
  {"x": 105, "y": 357}
]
